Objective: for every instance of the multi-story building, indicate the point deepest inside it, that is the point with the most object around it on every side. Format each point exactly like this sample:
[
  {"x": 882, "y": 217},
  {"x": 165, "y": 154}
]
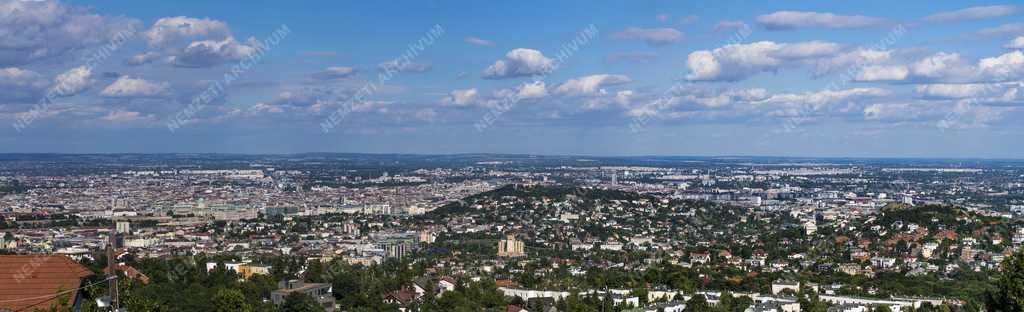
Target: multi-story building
[
  {"x": 511, "y": 247},
  {"x": 320, "y": 292}
]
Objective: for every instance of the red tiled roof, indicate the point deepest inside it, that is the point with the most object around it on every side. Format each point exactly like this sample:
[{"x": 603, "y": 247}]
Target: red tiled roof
[{"x": 39, "y": 277}]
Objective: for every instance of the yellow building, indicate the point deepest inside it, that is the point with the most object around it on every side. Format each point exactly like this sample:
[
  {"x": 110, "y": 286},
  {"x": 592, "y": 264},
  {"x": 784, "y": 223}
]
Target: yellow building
[
  {"x": 510, "y": 247},
  {"x": 248, "y": 270}
]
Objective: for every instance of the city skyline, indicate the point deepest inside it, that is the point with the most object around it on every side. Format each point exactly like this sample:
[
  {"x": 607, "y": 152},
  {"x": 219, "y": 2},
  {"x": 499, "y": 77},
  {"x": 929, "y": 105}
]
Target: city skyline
[{"x": 877, "y": 79}]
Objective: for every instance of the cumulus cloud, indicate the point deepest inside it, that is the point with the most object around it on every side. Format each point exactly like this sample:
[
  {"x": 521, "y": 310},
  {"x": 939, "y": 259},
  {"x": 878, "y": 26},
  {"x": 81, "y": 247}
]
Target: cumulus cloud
[
  {"x": 590, "y": 85},
  {"x": 479, "y": 42},
  {"x": 335, "y": 72},
  {"x": 738, "y": 61},
  {"x": 940, "y": 65},
  {"x": 142, "y": 58},
  {"x": 208, "y": 53},
  {"x": 526, "y": 91},
  {"x": 1003, "y": 67},
  {"x": 130, "y": 87},
  {"x": 463, "y": 97},
  {"x": 1017, "y": 43},
  {"x": 34, "y": 30},
  {"x": 73, "y": 81},
  {"x": 828, "y": 96},
  {"x": 652, "y": 36},
  {"x": 826, "y": 101},
  {"x": 949, "y": 91},
  {"x": 785, "y": 20},
  {"x": 745, "y": 105},
  {"x": 882, "y": 73},
  {"x": 121, "y": 116},
  {"x": 518, "y": 63},
  {"x": 951, "y": 67},
  {"x": 170, "y": 30},
  {"x": 403, "y": 67},
  {"x": 193, "y": 42},
  {"x": 532, "y": 90},
  {"x": 974, "y": 13},
  {"x": 855, "y": 58},
  {"x": 21, "y": 84}
]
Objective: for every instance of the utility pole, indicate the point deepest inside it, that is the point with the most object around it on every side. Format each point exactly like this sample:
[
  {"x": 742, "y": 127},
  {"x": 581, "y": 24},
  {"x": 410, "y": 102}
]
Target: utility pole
[{"x": 112, "y": 274}]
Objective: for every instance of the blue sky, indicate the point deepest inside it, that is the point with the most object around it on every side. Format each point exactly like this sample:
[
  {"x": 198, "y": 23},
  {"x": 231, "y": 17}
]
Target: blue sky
[{"x": 867, "y": 78}]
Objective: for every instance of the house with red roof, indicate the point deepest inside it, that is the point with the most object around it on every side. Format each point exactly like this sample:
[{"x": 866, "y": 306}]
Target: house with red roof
[{"x": 31, "y": 282}]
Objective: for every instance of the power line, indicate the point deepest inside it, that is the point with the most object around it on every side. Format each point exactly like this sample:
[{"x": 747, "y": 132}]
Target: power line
[
  {"x": 59, "y": 293},
  {"x": 51, "y": 297}
]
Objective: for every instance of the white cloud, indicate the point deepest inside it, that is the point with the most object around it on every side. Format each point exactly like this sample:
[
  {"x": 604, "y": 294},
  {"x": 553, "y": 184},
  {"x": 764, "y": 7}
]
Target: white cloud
[
  {"x": 784, "y": 20},
  {"x": 170, "y": 30},
  {"x": 853, "y": 59},
  {"x": 208, "y": 53},
  {"x": 142, "y": 58},
  {"x": 463, "y": 97},
  {"x": 335, "y": 72},
  {"x": 945, "y": 67},
  {"x": 826, "y": 97},
  {"x": 1003, "y": 67},
  {"x": 261, "y": 108},
  {"x": 590, "y": 85},
  {"x": 809, "y": 49},
  {"x": 129, "y": 87},
  {"x": 652, "y": 36},
  {"x": 940, "y": 65},
  {"x": 729, "y": 97},
  {"x": 624, "y": 97},
  {"x": 73, "y": 81},
  {"x": 901, "y": 111},
  {"x": 404, "y": 67},
  {"x": 34, "y": 30},
  {"x": 949, "y": 91},
  {"x": 127, "y": 116},
  {"x": 974, "y": 13},
  {"x": 533, "y": 90},
  {"x": 883, "y": 73},
  {"x": 525, "y": 91},
  {"x": 729, "y": 25},
  {"x": 21, "y": 84},
  {"x": 1003, "y": 30},
  {"x": 738, "y": 61},
  {"x": 479, "y": 42},
  {"x": 371, "y": 106},
  {"x": 518, "y": 63},
  {"x": 1017, "y": 43}
]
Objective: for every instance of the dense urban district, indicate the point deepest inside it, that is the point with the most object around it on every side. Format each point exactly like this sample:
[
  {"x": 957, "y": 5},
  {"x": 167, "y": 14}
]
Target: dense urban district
[{"x": 484, "y": 232}]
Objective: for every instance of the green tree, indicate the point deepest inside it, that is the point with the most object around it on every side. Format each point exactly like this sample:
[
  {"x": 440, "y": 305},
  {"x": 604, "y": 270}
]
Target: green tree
[
  {"x": 698, "y": 303},
  {"x": 300, "y": 302},
  {"x": 230, "y": 300},
  {"x": 809, "y": 301},
  {"x": 1008, "y": 295},
  {"x": 314, "y": 271}
]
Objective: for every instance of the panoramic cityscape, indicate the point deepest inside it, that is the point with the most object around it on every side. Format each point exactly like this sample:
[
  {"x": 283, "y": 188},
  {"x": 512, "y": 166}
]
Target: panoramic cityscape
[{"x": 556, "y": 156}]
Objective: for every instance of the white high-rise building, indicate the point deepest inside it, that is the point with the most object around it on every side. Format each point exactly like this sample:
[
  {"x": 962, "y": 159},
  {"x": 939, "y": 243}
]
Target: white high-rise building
[
  {"x": 511, "y": 247},
  {"x": 123, "y": 227}
]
